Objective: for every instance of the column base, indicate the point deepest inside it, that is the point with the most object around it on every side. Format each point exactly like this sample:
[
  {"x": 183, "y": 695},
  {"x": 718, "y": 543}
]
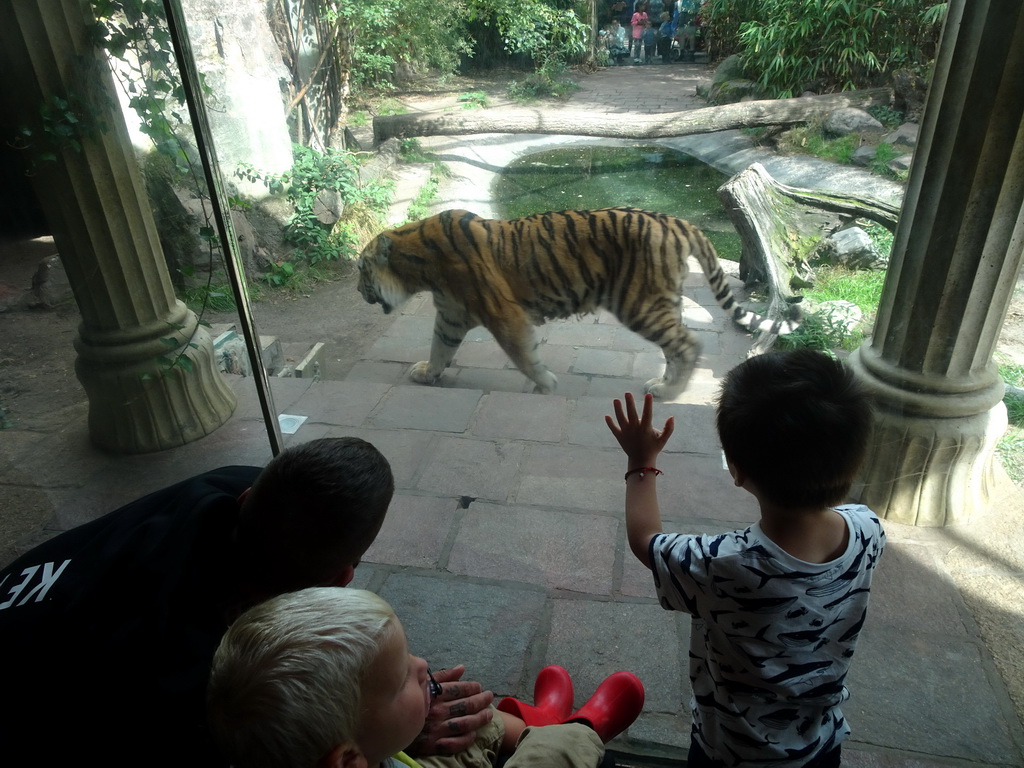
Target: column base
[
  {"x": 926, "y": 466},
  {"x": 138, "y": 403}
]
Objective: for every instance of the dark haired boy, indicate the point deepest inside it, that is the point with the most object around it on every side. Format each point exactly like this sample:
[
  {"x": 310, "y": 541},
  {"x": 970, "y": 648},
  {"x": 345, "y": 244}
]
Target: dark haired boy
[{"x": 776, "y": 608}]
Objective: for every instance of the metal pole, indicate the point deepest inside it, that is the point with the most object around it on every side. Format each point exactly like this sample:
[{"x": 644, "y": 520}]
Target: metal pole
[{"x": 233, "y": 262}]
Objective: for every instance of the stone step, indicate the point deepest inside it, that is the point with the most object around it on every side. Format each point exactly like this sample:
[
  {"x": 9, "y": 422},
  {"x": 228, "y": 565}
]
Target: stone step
[{"x": 281, "y": 359}]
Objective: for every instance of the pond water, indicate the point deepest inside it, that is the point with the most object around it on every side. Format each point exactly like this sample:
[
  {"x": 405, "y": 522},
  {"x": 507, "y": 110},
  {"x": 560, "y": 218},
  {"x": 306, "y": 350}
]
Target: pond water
[{"x": 650, "y": 177}]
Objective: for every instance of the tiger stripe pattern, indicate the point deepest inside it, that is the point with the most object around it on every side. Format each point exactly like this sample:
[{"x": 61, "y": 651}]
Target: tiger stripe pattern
[{"x": 513, "y": 275}]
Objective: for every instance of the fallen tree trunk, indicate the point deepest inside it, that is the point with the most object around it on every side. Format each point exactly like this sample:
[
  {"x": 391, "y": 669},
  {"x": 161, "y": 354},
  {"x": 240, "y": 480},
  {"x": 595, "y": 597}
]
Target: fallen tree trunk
[
  {"x": 781, "y": 228},
  {"x": 747, "y": 114}
]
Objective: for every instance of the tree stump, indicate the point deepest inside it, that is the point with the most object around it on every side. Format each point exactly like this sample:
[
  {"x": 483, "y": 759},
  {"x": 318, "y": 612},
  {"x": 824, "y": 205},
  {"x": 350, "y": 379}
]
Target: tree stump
[{"x": 781, "y": 227}]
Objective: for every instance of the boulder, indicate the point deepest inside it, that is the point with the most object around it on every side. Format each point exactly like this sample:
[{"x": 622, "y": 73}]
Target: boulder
[
  {"x": 11, "y": 298},
  {"x": 733, "y": 91},
  {"x": 904, "y": 136},
  {"x": 909, "y": 91},
  {"x": 864, "y": 155},
  {"x": 730, "y": 84},
  {"x": 731, "y": 68},
  {"x": 901, "y": 164},
  {"x": 853, "y": 248},
  {"x": 850, "y": 120},
  {"x": 50, "y": 284}
]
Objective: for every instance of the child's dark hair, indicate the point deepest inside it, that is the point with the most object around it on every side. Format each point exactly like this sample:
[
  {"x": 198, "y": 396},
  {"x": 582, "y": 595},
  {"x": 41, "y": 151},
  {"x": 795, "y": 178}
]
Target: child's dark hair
[{"x": 797, "y": 424}]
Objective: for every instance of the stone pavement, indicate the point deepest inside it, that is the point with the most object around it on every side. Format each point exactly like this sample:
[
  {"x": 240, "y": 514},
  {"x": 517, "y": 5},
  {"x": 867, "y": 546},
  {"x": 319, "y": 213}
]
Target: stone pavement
[{"x": 505, "y": 546}]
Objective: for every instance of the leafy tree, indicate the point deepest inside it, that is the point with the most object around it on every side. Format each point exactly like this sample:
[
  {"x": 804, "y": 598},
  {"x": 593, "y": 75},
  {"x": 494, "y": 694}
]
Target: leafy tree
[
  {"x": 430, "y": 33},
  {"x": 542, "y": 28},
  {"x": 434, "y": 34},
  {"x": 827, "y": 45}
]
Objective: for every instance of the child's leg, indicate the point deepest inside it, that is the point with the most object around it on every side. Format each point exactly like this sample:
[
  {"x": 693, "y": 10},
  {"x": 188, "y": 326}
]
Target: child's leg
[
  {"x": 572, "y": 745},
  {"x": 514, "y": 728}
]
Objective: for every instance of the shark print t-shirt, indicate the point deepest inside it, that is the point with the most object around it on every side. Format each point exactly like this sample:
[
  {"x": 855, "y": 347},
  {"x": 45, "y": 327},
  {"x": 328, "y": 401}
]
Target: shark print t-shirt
[{"x": 772, "y": 637}]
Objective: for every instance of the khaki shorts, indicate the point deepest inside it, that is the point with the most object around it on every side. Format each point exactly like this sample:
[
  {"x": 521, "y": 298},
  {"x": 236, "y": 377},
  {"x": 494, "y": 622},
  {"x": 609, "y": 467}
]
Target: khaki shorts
[{"x": 554, "y": 746}]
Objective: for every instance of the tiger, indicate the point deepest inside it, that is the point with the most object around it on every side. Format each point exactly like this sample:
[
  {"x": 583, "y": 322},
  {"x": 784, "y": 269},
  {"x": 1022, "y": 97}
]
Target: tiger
[{"x": 513, "y": 275}]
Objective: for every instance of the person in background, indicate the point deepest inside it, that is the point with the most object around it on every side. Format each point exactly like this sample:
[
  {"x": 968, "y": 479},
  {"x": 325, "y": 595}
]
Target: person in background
[
  {"x": 615, "y": 43},
  {"x": 650, "y": 40},
  {"x": 637, "y": 25},
  {"x": 665, "y": 39}
]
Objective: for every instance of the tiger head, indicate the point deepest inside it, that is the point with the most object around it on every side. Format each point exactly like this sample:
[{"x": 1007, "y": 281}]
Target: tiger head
[{"x": 377, "y": 282}]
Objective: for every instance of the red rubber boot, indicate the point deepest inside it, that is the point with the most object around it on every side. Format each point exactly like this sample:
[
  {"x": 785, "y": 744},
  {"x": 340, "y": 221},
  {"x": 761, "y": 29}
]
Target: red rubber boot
[
  {"x": 616, "y": 703},
  {"x": 552, "y": 699}
]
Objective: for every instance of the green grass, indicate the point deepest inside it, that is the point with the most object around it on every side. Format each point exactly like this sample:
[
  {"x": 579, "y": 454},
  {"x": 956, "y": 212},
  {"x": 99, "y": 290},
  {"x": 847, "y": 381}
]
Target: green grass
[
  {"x": 420, "y": 206},
  {"x": 473, "y": 100},
  {"x": 411, "y": 151},
  {"x": 838, "y": 150},
  {"x": 391, "y": 106},
  {"x": 831, "y": 283},
  {"x": 1010, "y": 448},
  {"x": 884, "y": 154},
  {"x": 809, "y": 139}
]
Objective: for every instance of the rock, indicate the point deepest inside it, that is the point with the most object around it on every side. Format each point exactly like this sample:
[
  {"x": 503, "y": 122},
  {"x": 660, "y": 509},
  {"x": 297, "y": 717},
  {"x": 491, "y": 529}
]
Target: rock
[
  {"x": 50, "y": 284},
  {"x": 853, "y": 248},
  {"x": 901, "y": 164},
  {"x": 729, "y": 85},
  {"x": 245, "y": 236},
  {"x": 733, "y": 91},
  {"x": 359, "y": 138},
  {"x": 864, "y": 155},
  {"x": 731, "y": 68},
  {"x": 909, "y": 90},
  {"x": 850, "y": 120},
  {"x": 11, "y": 298},
  {"x": 904, "y": 136}
]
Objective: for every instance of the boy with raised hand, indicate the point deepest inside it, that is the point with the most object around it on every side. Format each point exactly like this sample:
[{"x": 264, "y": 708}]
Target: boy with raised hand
[
  {"x": 776, "y": 608},
  {"x": 324, "y": 678}
]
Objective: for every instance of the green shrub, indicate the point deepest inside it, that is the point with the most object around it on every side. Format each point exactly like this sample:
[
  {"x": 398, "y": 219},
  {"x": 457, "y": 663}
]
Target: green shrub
[
  {"x": 473, "y": 100},
  {"x": 550, "y": 80},
  {"x": 825, "y": 45},
  {"x": 314, "y": 174},
  {"x": 886, "y": 115},
  {"x": 411, "y": 151}
]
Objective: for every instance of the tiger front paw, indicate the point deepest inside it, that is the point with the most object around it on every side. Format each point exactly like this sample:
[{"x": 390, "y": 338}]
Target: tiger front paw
[
  {"x": 661, "y": 390},
  {"x": 545, "y": 383},
  {"x": 421, "y": 374}
]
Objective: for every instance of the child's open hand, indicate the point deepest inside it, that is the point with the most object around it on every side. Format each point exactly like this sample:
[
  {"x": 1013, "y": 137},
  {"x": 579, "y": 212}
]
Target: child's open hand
[{"x": 636, "y": 434}]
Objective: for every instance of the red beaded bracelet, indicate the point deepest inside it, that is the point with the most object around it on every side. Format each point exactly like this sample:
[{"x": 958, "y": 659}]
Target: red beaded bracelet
[{"x": 643, "y": 471}]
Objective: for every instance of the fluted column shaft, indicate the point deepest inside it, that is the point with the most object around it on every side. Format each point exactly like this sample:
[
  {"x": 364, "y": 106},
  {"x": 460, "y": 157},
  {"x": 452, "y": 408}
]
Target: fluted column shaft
[
  {"x": 956, "y": 255},
  {"x": 95, "y": 203}
]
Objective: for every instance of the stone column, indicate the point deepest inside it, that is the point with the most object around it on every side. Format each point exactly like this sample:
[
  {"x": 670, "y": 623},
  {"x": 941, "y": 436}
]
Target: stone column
[
  {"x": 145, "y": 363},
  {"x": 956, "y": 255}
]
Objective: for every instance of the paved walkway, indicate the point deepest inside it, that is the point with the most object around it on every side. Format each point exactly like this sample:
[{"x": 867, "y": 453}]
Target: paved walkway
[{"x": 505, "y": 547}]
